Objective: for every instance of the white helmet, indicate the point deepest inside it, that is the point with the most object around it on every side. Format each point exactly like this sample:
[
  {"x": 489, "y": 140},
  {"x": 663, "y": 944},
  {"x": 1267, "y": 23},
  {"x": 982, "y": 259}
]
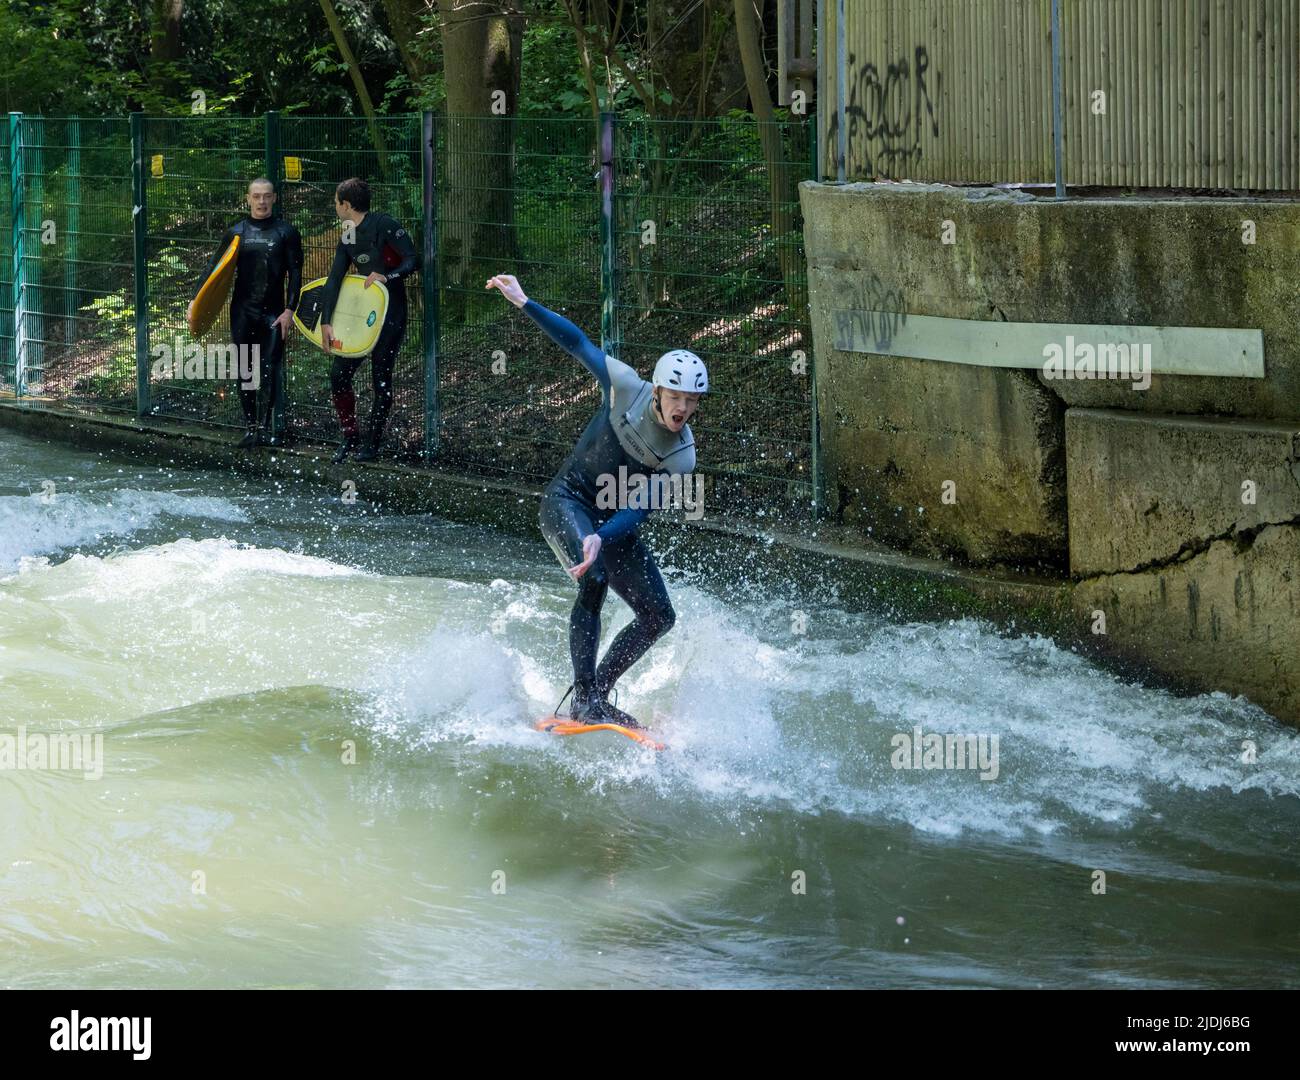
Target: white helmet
[{"x": 682, "y": 370}]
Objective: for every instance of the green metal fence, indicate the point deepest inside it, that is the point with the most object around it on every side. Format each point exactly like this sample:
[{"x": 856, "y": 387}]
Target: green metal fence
[
  {"x": 68, "y": 324},
  {"x": 511, "y": 403},
  {"x": 138, "y": 206},
  {"x": 7, "y": 207},
  {"x": 702, "y": 266}
]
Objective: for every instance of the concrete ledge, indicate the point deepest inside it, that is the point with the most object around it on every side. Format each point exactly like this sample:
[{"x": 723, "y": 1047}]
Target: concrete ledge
[
  {"x": 1148, "y": 490},
  {"x": 895, "y": 431}
]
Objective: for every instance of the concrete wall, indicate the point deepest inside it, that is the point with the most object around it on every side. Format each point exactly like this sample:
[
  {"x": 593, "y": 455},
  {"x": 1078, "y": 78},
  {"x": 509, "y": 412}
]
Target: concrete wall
[{"x": 1174, "y": 510}]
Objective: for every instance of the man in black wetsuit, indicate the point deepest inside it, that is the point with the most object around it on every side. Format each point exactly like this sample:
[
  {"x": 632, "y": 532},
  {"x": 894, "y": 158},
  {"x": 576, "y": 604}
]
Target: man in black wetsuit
[
  {"x": 641, "y": 428},
  {"x": 382, "y": 250},
  {"x": 270, "y": 250}
]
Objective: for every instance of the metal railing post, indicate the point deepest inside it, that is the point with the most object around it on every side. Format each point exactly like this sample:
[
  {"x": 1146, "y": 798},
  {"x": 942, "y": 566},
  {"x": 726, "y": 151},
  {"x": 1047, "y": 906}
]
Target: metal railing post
[
  {"x": 139, "y": 218},
  {"x": 275, "y": 173},
  {"x": 841, "y": 77},
  {"x": 429, "y": 285},
  {"x": 1058, "y": 135},
  {"x": 17, "y": 210},
  {"x": 609, "y": 336}
]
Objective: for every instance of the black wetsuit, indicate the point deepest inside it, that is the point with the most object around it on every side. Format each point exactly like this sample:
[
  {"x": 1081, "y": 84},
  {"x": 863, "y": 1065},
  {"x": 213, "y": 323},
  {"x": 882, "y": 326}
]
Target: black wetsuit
[
  {"x": 622, "y": 435},
  {"x": 270, "y": 250},
  {"x": 381, "y": 246}
]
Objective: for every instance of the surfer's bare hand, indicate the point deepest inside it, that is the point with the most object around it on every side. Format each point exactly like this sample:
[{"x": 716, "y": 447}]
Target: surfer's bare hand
[
  {"x": 189, "y": 311},
  {"x": 283, "y": 320},
  {"x": 509, "y": 286},
  {"x": 373, "y": 277},
  {"x": 590, "y": 549},
  {"x": 327, "y": 338}
]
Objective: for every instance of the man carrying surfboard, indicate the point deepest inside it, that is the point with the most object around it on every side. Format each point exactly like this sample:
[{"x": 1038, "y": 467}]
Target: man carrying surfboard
[
  {"x": 642, "y": 428},
  {"x": 382, "y": 250},
  {"x": 269, "y": 253}
]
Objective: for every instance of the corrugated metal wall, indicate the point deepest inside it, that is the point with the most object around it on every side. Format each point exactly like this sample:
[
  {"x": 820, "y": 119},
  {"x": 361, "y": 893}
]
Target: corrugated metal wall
[{"x": 1197, "y": 93}]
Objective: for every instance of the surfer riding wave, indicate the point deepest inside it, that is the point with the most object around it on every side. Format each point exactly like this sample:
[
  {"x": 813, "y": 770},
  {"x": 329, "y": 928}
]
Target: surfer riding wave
[{"x": 640, "y": 427}]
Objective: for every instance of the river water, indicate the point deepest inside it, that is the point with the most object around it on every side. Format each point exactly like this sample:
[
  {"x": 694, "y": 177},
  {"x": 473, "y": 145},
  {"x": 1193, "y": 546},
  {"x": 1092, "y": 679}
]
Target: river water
[{"x": 318, "y": 770}]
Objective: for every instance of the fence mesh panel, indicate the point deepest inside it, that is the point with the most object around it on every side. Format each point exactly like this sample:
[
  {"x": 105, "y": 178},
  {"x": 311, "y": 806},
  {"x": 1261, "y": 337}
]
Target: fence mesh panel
[
  {"x": 710, "y": 259},
  {"x": 75, "y": 316},
  {"x": 706, "y": 253},
  {"x": 7, "y": 208},
  {"x": 511, "y": 402}
]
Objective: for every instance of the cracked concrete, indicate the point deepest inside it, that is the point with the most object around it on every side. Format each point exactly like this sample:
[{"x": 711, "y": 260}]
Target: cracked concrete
[
  {"x": 1222, "y": 619},
  {"x": 1185, "y": 534},
  {"x": 1147, "y": 491}
]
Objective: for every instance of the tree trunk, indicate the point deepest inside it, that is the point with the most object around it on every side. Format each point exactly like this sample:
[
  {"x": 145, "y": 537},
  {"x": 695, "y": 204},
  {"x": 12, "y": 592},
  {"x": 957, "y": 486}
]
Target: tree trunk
[
  {"x": 376, "y": 136},
  {"x": 748, "y": 28},
  {"x": 482, "y": 42},
  {"x": 165, "y": 39},
  {"x": 404, "y": 24}
]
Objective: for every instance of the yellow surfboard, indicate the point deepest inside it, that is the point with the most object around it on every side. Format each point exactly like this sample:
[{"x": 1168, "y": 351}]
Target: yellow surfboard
[
  {"x": 212, "y": 296},
  {"x": 358, "y": 316}
]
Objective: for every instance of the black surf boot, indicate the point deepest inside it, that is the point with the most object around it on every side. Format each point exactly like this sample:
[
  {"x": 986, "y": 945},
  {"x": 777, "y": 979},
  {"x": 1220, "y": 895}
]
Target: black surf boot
[
  {"x": 618, "y": 716},
  {"x": 251, "y": 438},
  {"x": 346, "y": 447},
  {"x": 587, "y": 708},
  {"x": 266, "y": 437},
  {"x": 370, "y": 451}
]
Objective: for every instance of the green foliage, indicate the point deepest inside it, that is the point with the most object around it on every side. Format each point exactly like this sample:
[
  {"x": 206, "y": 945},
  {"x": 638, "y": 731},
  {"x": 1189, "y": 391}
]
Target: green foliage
[{"x": 68, "y": 57}]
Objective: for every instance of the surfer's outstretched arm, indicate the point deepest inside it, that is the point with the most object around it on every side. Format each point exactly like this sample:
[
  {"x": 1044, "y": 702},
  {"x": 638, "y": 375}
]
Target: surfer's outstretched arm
[
  {"x": 559, "y": 329},
  {"x": 569, "y": 338}
]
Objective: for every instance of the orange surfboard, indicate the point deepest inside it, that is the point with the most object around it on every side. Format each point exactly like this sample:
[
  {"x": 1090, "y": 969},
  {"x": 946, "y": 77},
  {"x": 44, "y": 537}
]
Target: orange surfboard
[
  {"x": 560, "y": 725},
  {"x": 212, "y": 296}
]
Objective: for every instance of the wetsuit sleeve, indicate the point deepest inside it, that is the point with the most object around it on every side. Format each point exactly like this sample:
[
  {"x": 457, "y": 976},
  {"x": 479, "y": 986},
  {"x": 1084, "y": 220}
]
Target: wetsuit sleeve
[
  {"x": 572, "y": 340},
  {"x": 227, "y": 238},
  {"x": 334, "y": 283},
  {"x": 397, "y": 238},
  {"x": 295, "y": 269},
  {"x": 622, "y": 523}
]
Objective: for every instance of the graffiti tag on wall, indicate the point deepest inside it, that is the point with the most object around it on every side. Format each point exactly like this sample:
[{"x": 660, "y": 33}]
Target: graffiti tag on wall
[
  {"x": 867, "y": 314},
  {"x": 886, "y": 115}
]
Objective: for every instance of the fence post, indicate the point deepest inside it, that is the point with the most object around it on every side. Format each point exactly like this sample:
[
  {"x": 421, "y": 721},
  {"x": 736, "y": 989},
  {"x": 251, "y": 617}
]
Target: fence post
[
  {"x": 841, "y": 77},
  {"x": 816, "y": 450},
  {"x": 429, "y": 285},
  {"x": 1058, "y": 136},
  {"x": 16, "y": 224},
  {"x": 609, "y": 337},
  {"x": 819, "y": 86},
  {"x": 275, "y": 173},
  {"x": 72, "y": 234},
  {"x": 139, "y": 216}
]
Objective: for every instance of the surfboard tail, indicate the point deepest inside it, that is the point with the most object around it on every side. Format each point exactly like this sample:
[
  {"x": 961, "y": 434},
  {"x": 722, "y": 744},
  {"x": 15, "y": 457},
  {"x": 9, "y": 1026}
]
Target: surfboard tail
[{"x": 559, "y": 725}]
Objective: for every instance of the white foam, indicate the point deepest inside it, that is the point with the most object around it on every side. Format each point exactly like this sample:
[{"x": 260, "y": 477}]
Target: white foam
[
  {"x": 36, "y": 525},
  {"x": 757, "y": 714}
]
